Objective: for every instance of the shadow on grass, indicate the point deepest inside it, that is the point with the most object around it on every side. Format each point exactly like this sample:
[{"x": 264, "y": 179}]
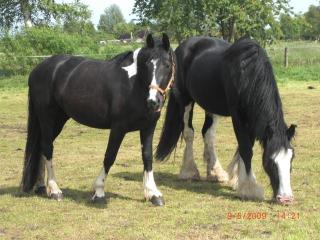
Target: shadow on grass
[
  {"x": 75, "y": 195},
  {"x": 171, "y": 180}
]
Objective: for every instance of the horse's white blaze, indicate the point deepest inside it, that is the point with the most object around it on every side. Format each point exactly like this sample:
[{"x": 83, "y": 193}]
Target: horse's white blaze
[
  {"x": 214, "y": 168},
  {"x": 189, "y": 168},
  {"x": 283, "y": 162},
  {"x": 149, "y": 186},
  {"x": 52, "y": 182},
  {"x": 99, "y": 184},
  {"x": 247, "y": 185},
  {"x": 132, "y": 68},
  {"x": 152, "y": 91}
]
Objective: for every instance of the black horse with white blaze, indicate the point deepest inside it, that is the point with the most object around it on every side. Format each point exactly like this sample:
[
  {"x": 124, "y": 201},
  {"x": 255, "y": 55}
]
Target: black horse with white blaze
[
  {"x": 233, "y": 80},
  {"x": 124, "y": 94}
]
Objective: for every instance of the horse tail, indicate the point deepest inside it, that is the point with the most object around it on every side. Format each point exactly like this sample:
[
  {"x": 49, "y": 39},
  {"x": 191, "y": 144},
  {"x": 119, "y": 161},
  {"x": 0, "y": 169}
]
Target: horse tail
[
  {"x": 172, "y": 128},
  {"x": 32, "y": 151}
]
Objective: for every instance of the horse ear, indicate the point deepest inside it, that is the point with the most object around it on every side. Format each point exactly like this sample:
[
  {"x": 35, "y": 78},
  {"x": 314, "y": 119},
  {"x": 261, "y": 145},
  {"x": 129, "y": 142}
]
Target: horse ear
[
  {"x": 165, "y": 41},
  {"x": 291, "y": 131},
  {"x": 150, "y": 41}
]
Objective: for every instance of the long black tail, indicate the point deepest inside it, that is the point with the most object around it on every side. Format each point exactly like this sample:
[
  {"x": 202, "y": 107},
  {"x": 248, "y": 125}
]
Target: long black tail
[
  {"x": 32, "y": 151},
  {"x": 172, "y": 128}
]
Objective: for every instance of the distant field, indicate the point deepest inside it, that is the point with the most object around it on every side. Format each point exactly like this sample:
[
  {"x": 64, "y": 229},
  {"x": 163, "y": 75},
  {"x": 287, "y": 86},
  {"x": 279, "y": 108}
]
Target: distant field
[{"x": 194, "y": 210}]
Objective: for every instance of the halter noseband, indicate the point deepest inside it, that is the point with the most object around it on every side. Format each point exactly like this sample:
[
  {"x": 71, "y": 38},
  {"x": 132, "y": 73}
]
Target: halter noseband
[{"x": 164, "y": 91}]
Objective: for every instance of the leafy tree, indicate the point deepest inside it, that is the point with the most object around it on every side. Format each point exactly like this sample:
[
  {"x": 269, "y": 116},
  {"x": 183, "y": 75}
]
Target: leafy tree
[
  {"x": 34, "y": 12},
  {"x": 313, "y": 18},
  {"x": 123, "y": 28},
  {"x": 227, "y": 18},
  {"x": 112, "y": 16},
  {"x": 293, "y": 27}
]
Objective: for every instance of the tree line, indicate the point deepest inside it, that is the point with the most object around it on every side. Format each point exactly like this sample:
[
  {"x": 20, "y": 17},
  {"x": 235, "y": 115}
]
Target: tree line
[{"x": 264, "y": 20}]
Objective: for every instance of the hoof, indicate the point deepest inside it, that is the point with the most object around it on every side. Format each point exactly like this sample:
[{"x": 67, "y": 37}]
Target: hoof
[
  {"x": 98, "y": 200},
  {"x": 194, "y": 177},
  {"x": 57, "y": 196},
  {"x": 219, "y": 179},
  {"x": 157, "y": 201},
  {"x": 41, "y": 191}
]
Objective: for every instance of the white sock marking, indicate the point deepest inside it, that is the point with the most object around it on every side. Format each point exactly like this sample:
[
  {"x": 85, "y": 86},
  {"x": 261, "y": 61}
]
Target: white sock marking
[
  {"x": 283, "y": 161},
  {"x": 149, "y": 185},
  {"x": 152, "y": 91},
  {"x": 132, "y": 69},
  {"x": 52, "y": 183},
  {"x": 99, "y": 184},
  {"x": 189, "y": 168}
]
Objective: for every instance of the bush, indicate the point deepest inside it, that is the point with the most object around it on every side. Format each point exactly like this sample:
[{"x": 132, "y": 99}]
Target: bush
[{"x": 18, "y": 51}]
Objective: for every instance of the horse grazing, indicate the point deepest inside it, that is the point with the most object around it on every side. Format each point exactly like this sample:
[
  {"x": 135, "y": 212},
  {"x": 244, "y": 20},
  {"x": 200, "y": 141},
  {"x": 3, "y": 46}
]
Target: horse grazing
[
  {"x": 232, "y": 80},
  {"x": 124, "y": 94}
]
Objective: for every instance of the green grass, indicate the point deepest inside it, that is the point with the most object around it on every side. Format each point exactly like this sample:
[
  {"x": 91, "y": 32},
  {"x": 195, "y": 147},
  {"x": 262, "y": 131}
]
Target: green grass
[{"x": 194, "y": 210}]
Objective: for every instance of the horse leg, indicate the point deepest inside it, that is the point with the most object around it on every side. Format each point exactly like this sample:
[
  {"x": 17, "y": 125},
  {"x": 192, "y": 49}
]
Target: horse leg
[
  {"x": 151, "y": 192},
  {"x": 247, "y": 185},
  {"x": 233, "y": 170},
  {"x": 50, "y": 129},
  {"x": 215, "y": 171},
  {"x": 115, "y": 140},
  {"x": 189, "y": 168}
]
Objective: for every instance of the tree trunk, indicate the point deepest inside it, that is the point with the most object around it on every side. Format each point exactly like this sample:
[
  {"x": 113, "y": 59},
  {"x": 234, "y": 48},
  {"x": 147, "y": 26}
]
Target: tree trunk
[{"x": 26, "y": 13}]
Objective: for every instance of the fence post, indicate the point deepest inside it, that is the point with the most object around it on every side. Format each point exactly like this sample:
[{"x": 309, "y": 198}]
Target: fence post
[{"x": 286, "y": 62}]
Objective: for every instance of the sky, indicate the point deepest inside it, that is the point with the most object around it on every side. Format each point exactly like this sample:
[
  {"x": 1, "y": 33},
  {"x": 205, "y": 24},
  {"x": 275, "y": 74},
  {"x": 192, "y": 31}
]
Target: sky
[{"x": 98, "y": 6}]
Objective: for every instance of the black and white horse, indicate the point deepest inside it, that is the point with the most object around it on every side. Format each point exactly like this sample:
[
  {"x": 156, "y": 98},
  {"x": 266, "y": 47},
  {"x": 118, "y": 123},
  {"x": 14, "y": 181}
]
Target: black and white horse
[
  {"x": 233, "y": 80},
  {"x": 124, "y": 94}
]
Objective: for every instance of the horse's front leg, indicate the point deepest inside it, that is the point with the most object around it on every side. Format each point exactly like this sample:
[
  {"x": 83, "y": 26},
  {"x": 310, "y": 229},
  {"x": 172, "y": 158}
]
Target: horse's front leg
[
  {"x": 151, "y": 192},
  {"x": 115, "y": 138},
  {"x": 247, "y": 185}
]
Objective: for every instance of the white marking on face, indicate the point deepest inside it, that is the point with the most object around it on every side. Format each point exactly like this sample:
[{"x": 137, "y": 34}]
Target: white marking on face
[
  {"x": 149, "y": 185},
  {"x": 132, "y": 69},
  {"x": 153, "y": 92},
  {"x": 283, "y": 161},
  {"x": 99, "y": 184}
]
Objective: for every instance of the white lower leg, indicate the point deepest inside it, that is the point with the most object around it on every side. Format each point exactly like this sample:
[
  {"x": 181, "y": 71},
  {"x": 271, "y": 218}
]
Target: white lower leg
[
  {"x": 98, "y": 185},
  {"x": 149, "y": 186},
  {"x": 52, "y": 185},
  {"x": 247, "y": 185},
  {"x": 189, "y": 168},
  {"x": 233, "y": 170},
  {"x": 215, "y": 171}
]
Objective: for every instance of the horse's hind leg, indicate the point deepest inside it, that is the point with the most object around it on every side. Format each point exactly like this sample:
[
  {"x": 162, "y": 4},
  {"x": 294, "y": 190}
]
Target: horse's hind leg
[
  {"x": 51, "y": 125},
  {"x": 215, "y": 171},
  {"x": 233, "y": 170},
  {"x": 189, "y": 168}
]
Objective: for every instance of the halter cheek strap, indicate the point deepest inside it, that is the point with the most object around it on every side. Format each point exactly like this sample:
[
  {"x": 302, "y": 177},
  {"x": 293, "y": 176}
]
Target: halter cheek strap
[{"x": 170, "y": 83}]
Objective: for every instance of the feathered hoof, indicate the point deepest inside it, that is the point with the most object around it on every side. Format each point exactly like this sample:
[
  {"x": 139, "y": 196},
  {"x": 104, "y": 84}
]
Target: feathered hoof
[
  {"x": 41, "y": 191},
  {"x": 98, "y": 200},
  {"x": 221, "y": 178},
  {"x": 193, "y": 177},
  {"x": 157, "y": 201},
  {"x": 56, "y": 196}
]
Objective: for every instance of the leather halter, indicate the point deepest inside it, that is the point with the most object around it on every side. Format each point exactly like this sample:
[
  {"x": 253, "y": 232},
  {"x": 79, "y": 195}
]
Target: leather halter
[{"x": 170, "y": 83}]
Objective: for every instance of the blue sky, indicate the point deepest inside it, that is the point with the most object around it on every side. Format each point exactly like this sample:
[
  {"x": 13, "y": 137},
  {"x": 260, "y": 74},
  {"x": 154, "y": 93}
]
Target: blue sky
[{"x": 97, "y": 7}]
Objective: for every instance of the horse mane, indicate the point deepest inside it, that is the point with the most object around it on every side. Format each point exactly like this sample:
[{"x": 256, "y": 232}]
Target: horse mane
[
  {"x": 253, "y": 77},
  {"x": 122, "y": 57}
]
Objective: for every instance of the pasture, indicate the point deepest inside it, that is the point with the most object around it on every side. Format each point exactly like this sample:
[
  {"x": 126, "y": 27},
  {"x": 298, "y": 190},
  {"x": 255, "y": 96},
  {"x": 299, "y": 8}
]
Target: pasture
[{"x": 194, "y": 210}]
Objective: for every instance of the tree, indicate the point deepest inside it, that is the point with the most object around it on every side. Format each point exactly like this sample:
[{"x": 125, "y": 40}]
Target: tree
[
  {"x": 227, "y": 18},
  {"x": 112, "y": 16},
  {"x": 313, "y": 18},
  {"x": 293, "y": 27},
  {"x": 33, "y": 12}
]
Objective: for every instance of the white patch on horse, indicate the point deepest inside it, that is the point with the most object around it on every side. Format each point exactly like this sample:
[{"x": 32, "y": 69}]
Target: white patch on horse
[
  {"x": 215, "y": 171},
  {"x": 247, "y": 185},
  {"x": 99, "y": 184},
  {"x": 152, "y": 91},
  {"x": 132, "y": 68},
  {"x": 283, "y": 162},
  {"x": 189, "y": 168},
  {"x": 53, "y": 187},
  {"x": 149, "y": 186}
]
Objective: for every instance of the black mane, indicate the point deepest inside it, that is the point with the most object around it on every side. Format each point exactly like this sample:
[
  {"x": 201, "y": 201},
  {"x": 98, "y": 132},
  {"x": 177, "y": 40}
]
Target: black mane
[{"x": 258, "y": 91}]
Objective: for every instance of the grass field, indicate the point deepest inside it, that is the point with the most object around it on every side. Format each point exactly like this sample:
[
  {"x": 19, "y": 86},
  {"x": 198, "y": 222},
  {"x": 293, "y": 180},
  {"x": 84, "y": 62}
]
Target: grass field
[{"x": 194, "y": 210}]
